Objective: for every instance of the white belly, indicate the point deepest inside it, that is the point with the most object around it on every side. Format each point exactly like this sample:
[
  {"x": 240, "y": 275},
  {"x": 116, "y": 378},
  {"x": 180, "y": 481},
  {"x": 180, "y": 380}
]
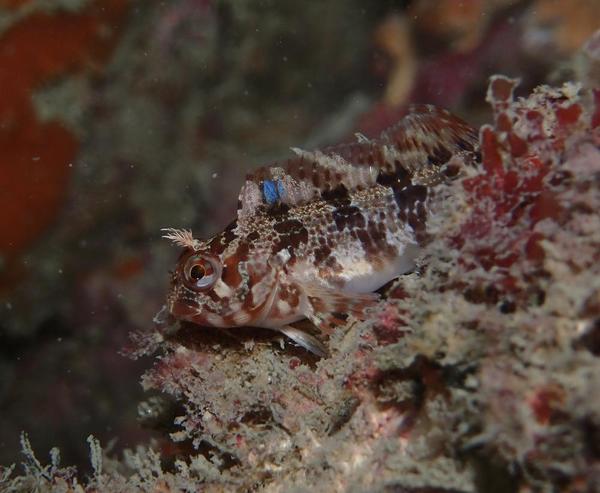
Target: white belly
[{"x": 361, "y": 277}]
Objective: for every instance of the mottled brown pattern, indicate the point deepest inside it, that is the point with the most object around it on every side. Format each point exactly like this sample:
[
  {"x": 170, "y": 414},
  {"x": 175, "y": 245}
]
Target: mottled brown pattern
[
  {"x": 344, "y": 213},
  {"x": 426, "y": 138},
  {"x": 321, "y": 253},
  {"x": 220, "y": 242},
  {"x": 291, "y": 234}
]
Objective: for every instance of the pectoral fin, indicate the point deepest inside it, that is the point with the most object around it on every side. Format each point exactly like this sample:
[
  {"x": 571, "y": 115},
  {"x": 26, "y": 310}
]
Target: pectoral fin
[
  {"x": 325, "y": 309},
  {"x": 326, "y": 305}
]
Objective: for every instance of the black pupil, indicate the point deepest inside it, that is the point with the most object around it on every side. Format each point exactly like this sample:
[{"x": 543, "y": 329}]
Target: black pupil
[{"x": 197, "y": 272}]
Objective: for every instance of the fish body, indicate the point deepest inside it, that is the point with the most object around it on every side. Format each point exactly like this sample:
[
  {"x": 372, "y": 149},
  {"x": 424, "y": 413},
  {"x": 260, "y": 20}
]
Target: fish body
[{"x": 315, "y": 236}]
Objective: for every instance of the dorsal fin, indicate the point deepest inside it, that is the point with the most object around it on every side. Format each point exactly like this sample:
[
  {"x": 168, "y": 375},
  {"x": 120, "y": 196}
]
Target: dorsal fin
[{"x": 419, "y": 145}]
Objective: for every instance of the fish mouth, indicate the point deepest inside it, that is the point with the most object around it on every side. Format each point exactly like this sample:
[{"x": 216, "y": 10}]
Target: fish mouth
[{"x": 196, "y": 315}]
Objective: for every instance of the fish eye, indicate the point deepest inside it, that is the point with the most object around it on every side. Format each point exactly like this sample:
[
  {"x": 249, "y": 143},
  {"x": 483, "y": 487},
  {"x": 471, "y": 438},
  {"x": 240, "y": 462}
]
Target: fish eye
[
  {"x": 197, "y": 272},
  {"x": 200, "y": 272}
]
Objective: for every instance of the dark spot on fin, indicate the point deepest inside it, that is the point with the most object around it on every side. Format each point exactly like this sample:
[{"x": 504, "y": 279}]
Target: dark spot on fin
[
  {"x": 279, "y": 209},
  {"x": 440, "y": 155},
  {"x": 339, "y": 193},
  {"x": 398, "y": 179}
]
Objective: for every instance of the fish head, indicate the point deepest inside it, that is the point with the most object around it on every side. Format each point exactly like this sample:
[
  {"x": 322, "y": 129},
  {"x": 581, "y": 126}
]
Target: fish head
[{"x": 219, "y": 287}]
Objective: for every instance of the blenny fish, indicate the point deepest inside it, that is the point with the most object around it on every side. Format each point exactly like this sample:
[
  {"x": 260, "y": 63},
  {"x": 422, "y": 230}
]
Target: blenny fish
[{"x": 315, "y": 236}]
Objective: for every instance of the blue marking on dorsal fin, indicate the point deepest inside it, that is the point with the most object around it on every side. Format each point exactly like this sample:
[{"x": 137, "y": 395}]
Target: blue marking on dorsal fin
[
  {"x": 280, "y": 189},
  {"x": 272, "y": 191}
]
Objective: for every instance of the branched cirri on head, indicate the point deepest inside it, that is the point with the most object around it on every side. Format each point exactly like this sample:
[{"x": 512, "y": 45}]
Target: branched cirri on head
[{"x": 315, "y": 236}]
